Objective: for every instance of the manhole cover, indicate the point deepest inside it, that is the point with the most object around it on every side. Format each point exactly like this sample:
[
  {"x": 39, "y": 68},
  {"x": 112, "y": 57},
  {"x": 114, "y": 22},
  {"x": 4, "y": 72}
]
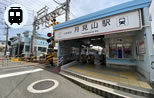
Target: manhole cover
[{"x": 42, "y": 86}]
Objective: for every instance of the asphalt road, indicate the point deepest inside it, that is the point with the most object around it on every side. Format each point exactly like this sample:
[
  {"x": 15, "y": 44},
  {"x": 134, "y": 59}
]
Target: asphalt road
[{"x": 13, "y": 84}]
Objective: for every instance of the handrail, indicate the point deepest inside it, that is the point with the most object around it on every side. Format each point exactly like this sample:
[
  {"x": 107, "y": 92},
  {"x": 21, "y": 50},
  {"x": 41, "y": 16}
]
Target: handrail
[
  {"x": 60, "y": 61},
  {"x": 152, "y": 65}
]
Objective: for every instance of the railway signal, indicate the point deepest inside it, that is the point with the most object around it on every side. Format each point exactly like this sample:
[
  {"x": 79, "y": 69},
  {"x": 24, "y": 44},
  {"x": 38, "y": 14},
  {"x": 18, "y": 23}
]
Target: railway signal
[
  {"x": 51, "y": 55},
  {"x": 50, "y": 37},
  {"x": 49, "y": 34}
]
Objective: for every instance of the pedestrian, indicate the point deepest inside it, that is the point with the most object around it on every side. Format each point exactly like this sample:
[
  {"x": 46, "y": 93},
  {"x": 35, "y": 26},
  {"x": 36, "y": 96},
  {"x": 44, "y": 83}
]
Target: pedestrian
[{"x": 7, "y": 54}]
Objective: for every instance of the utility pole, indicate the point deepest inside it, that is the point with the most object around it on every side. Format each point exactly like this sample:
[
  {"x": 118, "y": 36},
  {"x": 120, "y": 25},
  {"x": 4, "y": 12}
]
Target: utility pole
[
  {"x": 33, "y": 37},
  {"x": 67, "y": 17},
  {"x": 19, "y": 43},
  {"x": 40, "y": 13},
  {"x": 43, "y": 18},
  {"x": 6, "y": 45}
]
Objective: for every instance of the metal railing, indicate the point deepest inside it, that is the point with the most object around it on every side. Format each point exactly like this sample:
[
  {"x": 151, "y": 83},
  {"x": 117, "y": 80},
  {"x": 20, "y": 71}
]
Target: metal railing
[
  {"x": 152, "y": 65},
  {"x": 4, "y": 62},
  {"x": 60, "y": 61}
]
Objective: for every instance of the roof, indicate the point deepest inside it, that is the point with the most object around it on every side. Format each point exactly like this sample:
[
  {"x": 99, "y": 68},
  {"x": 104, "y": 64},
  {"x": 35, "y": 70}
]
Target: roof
[
  {"x": 121, "y": 8},
  {"x": 2, "y": 40},
  {"x": 37, "y": 34},
  {"x": 41, "y": 36}
]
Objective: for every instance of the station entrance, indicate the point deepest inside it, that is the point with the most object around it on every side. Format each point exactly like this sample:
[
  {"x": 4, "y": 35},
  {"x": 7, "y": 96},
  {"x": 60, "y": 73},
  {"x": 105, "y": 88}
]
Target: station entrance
[
  {"x": 117, "y": 50},
  {"x": 109, "y": 57},
  {"x": 92, "y": 51},
  {"x": 89, "y": 50},
  {"x": 118, "y": 41}
]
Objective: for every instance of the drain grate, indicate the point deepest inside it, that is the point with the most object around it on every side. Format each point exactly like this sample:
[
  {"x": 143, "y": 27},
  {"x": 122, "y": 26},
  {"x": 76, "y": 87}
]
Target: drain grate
[{"x": 42, "y": 86}]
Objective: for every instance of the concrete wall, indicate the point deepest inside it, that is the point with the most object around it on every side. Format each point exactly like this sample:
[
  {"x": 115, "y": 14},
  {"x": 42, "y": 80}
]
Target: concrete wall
[
  {"x": 65, "y": 49},
  {"x": 144, "y": 61},
  {"x": 151, "y": 10}
]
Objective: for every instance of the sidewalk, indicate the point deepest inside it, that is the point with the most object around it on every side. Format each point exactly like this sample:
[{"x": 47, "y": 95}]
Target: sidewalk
[
  {"x": 4, "y": 63},
  {"x": 125, "y": 77}
]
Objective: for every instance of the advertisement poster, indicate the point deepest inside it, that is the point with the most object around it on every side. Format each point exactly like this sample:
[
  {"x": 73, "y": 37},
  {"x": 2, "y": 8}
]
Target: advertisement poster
[{"x": 141, "y": 47}]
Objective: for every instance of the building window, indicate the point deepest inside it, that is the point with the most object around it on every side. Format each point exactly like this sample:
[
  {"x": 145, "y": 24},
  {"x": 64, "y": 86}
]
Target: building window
[
  {"x": 113, "y": 51},
  {"x": 49, "y": 51},
  {"x": 27, "y": 48},
  {"x": 2, "y": 43},
  {"x": 44, "y": 50},
  {"x": 39, "y": 48}
]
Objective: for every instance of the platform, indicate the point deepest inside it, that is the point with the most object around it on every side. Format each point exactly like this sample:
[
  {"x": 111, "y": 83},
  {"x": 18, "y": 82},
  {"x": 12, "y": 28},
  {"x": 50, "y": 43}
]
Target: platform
[{"x": 125, "y": 77}]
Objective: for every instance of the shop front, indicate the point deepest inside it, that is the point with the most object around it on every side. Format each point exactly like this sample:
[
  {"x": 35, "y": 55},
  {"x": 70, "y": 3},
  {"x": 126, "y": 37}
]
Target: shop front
[{"x": 122, "y": 33}]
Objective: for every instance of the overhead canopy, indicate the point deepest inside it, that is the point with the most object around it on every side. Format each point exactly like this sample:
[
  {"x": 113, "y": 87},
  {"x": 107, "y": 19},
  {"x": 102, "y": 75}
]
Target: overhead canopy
[{"x": 125, "y": 7}]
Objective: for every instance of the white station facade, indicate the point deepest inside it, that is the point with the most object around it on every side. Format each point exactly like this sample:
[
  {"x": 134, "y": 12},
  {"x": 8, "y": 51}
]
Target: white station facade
[{"x": 121, "y": 35}]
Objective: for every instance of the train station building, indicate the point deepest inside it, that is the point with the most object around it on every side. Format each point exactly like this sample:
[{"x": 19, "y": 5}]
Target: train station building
[{"x": 119, "y": 37}]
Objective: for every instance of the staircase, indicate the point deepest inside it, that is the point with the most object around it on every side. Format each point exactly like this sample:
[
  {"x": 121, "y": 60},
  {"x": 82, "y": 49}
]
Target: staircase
[{"x": 106, "y": 88}]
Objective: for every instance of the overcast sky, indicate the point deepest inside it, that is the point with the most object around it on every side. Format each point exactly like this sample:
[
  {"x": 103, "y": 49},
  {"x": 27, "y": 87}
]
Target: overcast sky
[{"x": 78, "y": 8}]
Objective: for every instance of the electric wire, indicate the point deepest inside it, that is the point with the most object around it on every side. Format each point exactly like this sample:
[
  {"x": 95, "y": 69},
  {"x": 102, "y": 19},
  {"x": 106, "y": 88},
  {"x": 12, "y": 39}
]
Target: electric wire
[{"x": 58, "y": 2}]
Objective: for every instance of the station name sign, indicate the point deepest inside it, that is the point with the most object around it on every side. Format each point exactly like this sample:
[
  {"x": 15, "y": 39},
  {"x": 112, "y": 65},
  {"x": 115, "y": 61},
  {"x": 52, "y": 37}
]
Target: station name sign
[{"x": 114, "y": 24}]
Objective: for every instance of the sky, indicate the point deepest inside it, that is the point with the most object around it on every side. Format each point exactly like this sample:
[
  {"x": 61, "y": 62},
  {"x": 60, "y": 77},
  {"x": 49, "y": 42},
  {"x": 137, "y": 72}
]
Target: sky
[{"x": 77, "y": 8}]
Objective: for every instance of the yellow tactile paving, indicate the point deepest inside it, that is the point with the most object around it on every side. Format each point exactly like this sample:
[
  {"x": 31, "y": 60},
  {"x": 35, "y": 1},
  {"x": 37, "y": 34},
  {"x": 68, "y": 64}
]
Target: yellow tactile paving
[
  {"x": 99, "y": 70},
  {"x": 97, "y": 75},
  {"x": 144, "y": 85},
  {"x": 134, "y": 83},
  {"x": 128, "y": 75},
  {"x": 124, "y": 81},
  {"x": 127, "y": 78}
]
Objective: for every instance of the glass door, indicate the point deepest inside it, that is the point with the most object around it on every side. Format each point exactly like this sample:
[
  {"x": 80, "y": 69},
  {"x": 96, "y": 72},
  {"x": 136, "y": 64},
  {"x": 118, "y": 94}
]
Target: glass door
[{"x": 120, "y": 50}]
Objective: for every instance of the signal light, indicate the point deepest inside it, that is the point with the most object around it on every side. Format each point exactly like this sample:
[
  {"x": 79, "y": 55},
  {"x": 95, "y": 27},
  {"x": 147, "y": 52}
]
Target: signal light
[
  {"x": 53, "y": 20},
  {"x": 49, "y": 34},
  {"x": 48, "y": 40}
]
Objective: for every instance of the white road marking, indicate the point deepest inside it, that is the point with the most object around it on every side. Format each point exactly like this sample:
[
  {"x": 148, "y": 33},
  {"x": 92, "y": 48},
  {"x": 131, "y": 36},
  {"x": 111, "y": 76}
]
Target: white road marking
[
  {"x": 32, "y": 90},
  {"x": 20, "y": 73}
]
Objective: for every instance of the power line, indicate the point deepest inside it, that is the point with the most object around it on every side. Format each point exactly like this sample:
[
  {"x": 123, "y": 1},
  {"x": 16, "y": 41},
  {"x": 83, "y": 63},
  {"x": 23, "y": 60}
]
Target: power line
[
  {"x": 72, "y": 14},
  {"x": 58, "y": 2},
  {"x": 75, "y": 9},
  {"x": 11, "y": 2}
]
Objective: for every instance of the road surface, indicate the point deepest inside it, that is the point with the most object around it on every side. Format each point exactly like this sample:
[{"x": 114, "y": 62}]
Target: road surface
[{"x": 14, "y": 83}]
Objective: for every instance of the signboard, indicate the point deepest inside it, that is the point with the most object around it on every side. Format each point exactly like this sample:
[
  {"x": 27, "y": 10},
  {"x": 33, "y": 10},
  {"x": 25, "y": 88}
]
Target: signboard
[
  {"x": 141, "y": 47},
  {"x": 114, "y": 24}
]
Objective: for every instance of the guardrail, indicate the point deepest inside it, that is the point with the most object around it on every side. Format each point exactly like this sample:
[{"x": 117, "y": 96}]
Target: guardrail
[{"x": 4, "y": 62}]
